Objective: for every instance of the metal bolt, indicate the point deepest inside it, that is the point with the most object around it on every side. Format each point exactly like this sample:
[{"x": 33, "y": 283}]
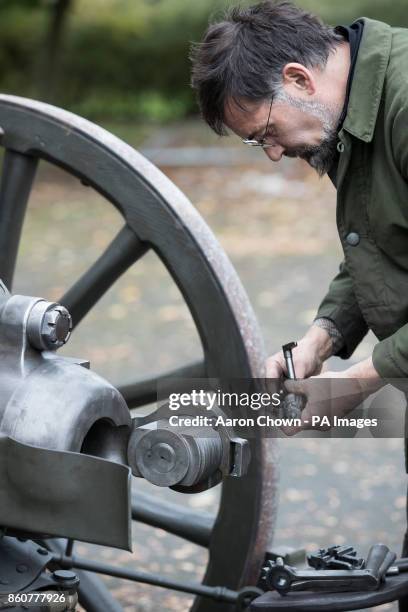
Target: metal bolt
[
  {"x": 65, "y": 578},
  {"x": 163, "y": 456},
  {"x": 49, "y": 326},
  {"x": 21, "y": 568}
]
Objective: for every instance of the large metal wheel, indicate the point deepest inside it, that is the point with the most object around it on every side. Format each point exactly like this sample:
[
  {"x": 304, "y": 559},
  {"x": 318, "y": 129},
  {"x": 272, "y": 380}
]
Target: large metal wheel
[{"x": 156, "y": 216}]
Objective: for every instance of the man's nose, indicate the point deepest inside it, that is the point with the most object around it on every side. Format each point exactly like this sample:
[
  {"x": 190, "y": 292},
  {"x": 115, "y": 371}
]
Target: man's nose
[{"x": 275, "y": 153}]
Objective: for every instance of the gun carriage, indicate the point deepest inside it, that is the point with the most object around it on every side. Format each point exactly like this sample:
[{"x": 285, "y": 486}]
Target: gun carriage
[
  {"x": 68, "y": 443},
  {"x": 73, "y": 446}
]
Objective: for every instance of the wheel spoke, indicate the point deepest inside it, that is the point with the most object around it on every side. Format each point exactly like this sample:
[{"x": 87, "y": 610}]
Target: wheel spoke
[
  {"x": 145, "y": 391},
  {"x": 123, "y": 251},
  {"x": 16, "y": 181},
  {"x": 179, "y": 520}
]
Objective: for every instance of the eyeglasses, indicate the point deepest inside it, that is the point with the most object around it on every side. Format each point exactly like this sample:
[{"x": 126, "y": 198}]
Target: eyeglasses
[{"x": 262, "y": 142}]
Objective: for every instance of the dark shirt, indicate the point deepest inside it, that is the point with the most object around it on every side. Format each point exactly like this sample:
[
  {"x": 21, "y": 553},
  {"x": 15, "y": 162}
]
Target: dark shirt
[{"x": 352, "y": 34}]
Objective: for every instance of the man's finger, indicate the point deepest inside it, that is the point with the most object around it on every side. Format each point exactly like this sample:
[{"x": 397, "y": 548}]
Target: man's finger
[
  {"x": 274, "y": 367},
  {"x": 297, "y": 386}
]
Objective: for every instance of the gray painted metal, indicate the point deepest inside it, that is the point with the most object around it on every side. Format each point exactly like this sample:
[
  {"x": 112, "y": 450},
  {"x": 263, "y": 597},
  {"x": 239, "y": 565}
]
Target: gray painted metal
[
  {"x": 49, "y": 326},
  {"x": 54, "y": 492},
  {"x": 51, "y": 403},
  {"x": 194, "y": 459},
  {"x": 162, "y": 219},
  {"x": 93, "y": 593},
  {"x": 45, "y": 400},
  {"x": 21, "y": 564},
  {"x": 163, "y": 457},
  {"x": 24, "y": 567}
]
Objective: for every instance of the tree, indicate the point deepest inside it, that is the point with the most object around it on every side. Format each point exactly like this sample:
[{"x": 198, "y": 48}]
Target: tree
[{"x": 49, "y": 56}]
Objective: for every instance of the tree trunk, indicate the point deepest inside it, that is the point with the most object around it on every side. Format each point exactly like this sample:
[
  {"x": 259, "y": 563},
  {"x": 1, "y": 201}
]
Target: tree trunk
[{"x": 51, "y": 57}]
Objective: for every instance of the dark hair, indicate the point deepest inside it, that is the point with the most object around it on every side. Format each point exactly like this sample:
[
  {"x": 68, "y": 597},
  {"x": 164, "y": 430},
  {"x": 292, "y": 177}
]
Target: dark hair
[{"x": 242, "y": 56}]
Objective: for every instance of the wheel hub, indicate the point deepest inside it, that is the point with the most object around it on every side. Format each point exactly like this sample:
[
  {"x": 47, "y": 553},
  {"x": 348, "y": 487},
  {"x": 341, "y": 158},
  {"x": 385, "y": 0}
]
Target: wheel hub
[
  {"x": 50, "y": 403},
  {"x": 49, "y": 326}
]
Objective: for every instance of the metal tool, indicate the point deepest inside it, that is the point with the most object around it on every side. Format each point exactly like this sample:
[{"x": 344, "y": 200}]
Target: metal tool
[
  {"x": 284, "y": 578},
  {"x": 287, "y": 353},
  {"x": 336, "y": 557},
  {"x": 293, "y": 403}
]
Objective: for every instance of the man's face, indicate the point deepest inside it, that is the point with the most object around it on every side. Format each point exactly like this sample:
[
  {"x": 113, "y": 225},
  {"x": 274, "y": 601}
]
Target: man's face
[{"x": 297, "y": 128}]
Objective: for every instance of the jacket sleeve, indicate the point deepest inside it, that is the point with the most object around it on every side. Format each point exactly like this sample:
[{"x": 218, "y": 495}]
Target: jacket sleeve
[
  {"x": 340, "y": 306},
  {"x": 390, "y": 356}
]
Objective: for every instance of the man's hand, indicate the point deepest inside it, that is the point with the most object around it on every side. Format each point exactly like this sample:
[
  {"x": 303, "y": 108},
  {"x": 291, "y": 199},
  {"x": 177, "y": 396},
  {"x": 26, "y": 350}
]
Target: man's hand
[
  {"x": 362, "y": 370},
  {"x": 308, "y": 357},
  {"x": 333, "y": 398}
]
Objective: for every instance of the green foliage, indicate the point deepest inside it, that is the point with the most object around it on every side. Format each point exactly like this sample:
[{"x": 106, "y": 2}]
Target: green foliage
[
  {"x": 151, "y": 106},
  {"x": 395, "y": 12},
  {"x": 128, "y": 59},
  {"x": 134, "y": 51},
  {"x": 120, "y": 58},
  {"x": 21, "y": 36}
]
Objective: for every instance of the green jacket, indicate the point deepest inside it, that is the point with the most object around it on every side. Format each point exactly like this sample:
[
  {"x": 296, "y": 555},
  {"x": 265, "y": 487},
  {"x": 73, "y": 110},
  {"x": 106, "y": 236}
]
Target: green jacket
[{"x": 371, "y": 289}]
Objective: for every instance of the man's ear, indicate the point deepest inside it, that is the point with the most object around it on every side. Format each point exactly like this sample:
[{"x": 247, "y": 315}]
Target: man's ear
[{"x": 299, "y": 77}]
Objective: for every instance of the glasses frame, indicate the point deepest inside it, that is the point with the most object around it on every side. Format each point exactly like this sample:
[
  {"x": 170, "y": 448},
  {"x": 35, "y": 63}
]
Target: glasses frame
[{"x": 261, "y": 142}]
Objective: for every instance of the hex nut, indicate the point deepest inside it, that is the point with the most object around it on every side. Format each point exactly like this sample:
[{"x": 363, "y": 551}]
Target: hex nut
[{"x": 49, "y": 326}]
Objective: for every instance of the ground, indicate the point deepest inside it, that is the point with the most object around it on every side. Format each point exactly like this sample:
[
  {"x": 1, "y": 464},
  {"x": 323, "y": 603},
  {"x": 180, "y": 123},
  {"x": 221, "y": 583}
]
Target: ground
[{"x": 277, "y": 224}]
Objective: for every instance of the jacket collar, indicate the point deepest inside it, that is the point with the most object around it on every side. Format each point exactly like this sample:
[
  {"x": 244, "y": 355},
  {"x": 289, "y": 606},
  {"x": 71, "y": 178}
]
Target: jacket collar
[{"x": 368, "y": 80}]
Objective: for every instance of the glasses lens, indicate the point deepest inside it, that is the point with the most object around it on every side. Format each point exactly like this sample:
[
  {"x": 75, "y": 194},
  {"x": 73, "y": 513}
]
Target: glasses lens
[{"x": 252, "y": 143}]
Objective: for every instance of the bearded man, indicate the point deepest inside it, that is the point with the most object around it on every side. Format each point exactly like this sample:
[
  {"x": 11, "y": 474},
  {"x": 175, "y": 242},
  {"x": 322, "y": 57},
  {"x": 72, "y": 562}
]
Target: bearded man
[
  {"x": 280, "y": 79},
  {"x": 338, "y": 98}
]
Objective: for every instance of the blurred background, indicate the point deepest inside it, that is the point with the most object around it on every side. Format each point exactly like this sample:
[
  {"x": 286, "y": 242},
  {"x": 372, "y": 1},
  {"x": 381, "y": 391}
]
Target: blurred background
[
  {"x": 104, "y": 58},
  {"x": 124, "y": 64}
]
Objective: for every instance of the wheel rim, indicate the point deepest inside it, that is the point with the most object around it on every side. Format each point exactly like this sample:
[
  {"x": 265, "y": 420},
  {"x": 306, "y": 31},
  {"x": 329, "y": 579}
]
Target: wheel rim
[{"x": 158, "y": 216}]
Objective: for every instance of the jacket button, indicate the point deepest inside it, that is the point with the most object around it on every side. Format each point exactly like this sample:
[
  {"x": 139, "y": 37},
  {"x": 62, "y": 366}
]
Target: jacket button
[
  {"x": 340, "y": 147},
  {"x": 352, "y": 239}
]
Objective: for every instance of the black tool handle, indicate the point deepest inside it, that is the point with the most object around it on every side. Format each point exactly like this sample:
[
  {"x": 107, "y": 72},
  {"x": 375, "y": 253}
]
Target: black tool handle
[
  {"x": 386, "y": 564},
  {"x": 376, "y": 557},
  {"x": 293, "y": 403},
  {"x": 287, "y": 353}
]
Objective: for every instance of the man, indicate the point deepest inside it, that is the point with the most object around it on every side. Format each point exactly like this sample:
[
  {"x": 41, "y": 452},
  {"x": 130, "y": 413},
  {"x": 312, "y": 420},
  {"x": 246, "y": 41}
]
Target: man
[{"x": 338, "y": 98}]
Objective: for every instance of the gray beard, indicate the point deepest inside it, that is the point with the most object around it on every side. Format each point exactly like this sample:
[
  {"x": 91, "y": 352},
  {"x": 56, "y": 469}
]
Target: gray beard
[{"x": 322, "y": 156}]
